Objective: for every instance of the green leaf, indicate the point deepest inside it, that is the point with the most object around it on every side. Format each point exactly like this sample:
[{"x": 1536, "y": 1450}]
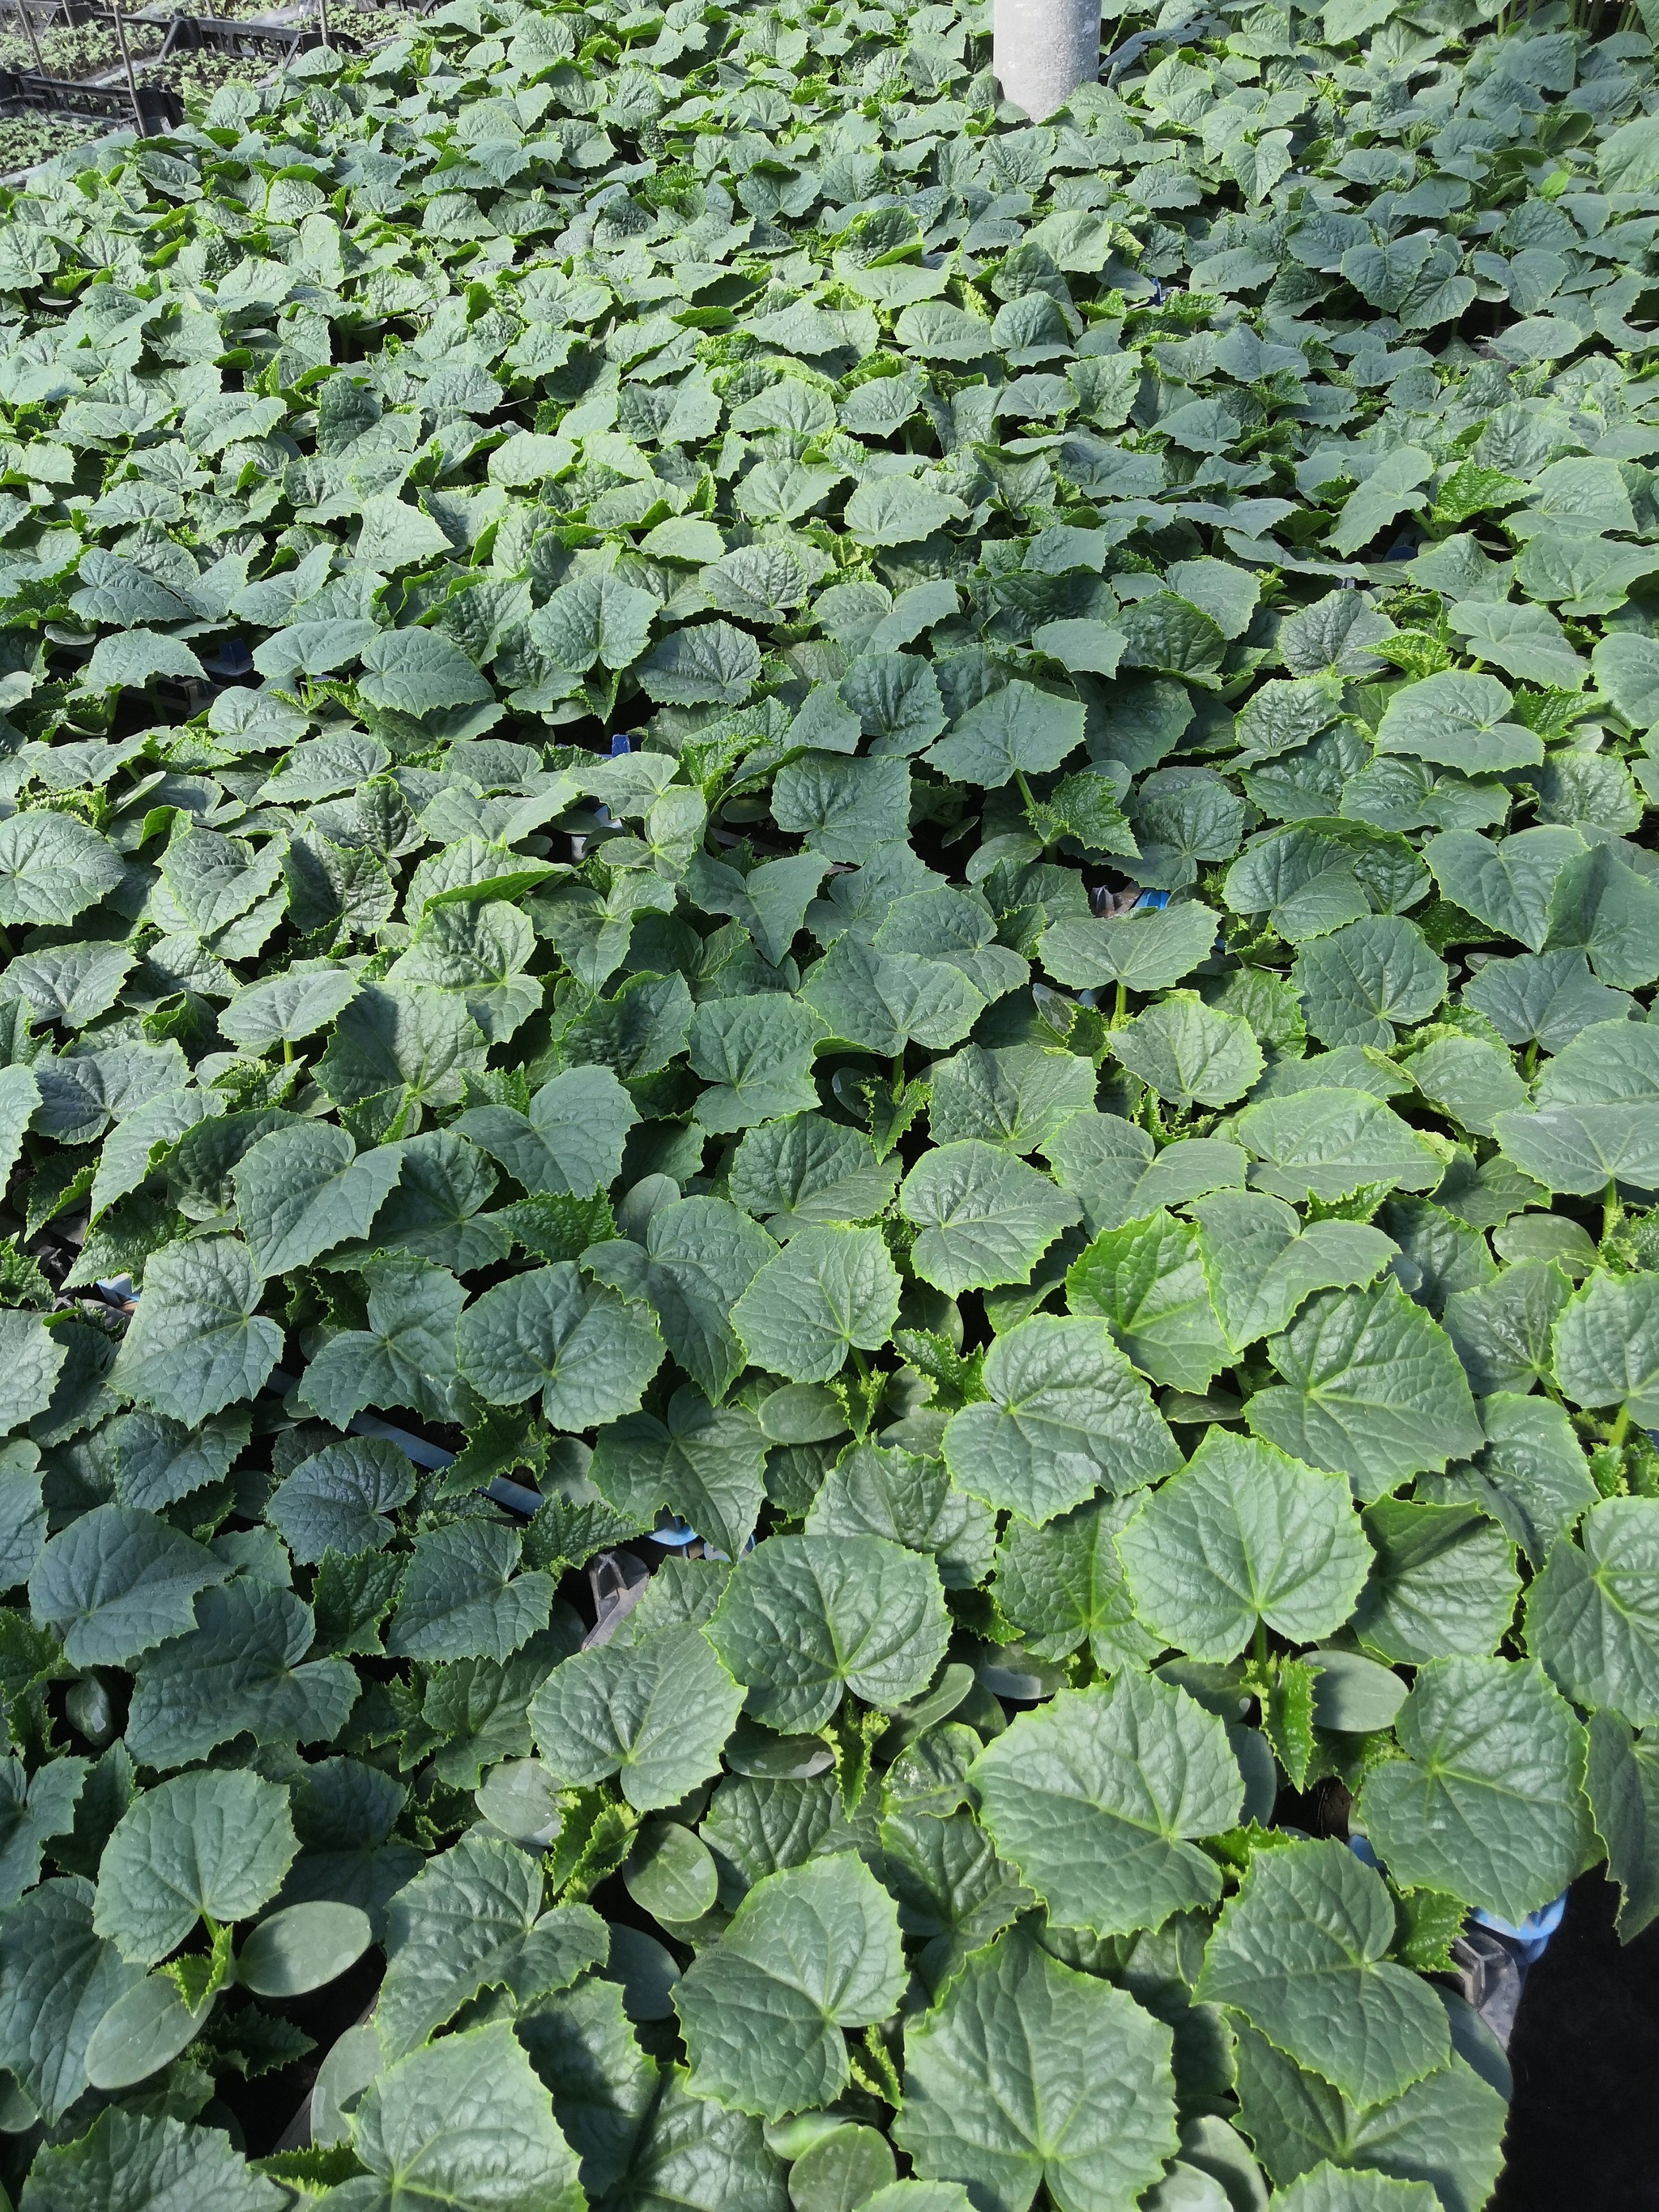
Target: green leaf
[
  {"x": 693, "y": 2154},
  {"x": 302, "y": 1948},
  {"x": 1261, "y": 1265},
  {"x": 656, "y": 1711},
  {"x": 984, "y": 1217},
  {"x": 604, "y": 2086},
  {"x": 829, "y": 1291},
  {"x": 1507, "y": 884},
  {"x": 1016, "y": 1096},
  {"x": 57, "y": 1979},
  {"x": 1622, "y": 1785},
  {"x": 1446, "y": 2131},
  {"x": 301, "y": 1191},
  {"x": 464, "y": 2124},
  {"x": 881, "y": 1002},
  {"x": 1487, "y": 1802},
  {"x": 1444, "y": 1586},
  {"x": 806, "y": 1617},
  {"x": 461, "y": 1598},
  {"x": 1066, "y": 1415},
  {"x": 1148, "y": 950},
  {"x": 909, "y": 1500},
  {"x": 1244, "y": 1535},
  {"x": 1188, "y": 1052},
  {"x": 1147, "y": 1282},
  {"x": 238, "y": 1672},
  {"x": 701, "y": 1256},
  {"x": 706, "y": 1465},
  {"x": 571, "y": 1139},
  {"x": 1361, "y": 982},
  {"x": 806, "y": 1169},
  {"x": 1607, "y": 1346},
  {"x": 210, "y": 1844},
  {"x": 757, "y": 1055},
  {"x": 589, "y": 1352},
  {"x": 117, "y": 1582},
  {"x": 1372, "y": 1389},
  {"x": 288, "y": 1007},
  {"x": 337, "y": 1499},
  {"x": 1327, "y": 1143},
  {"x": 1028, "y": 2073},
  {"x": 470, "y": 1920},
  {"x": 1017, "y": 730},
  {"x": 53, "y": 868},
  {"x": 147, "y": 2162},
  {"x": 810, "y": 1951},
  {"x": 1460, "y": 722},
  {"x": 1062, "y": 1585},
  {"x": 198, "y": 1343},
  {"x": 1592, "y": 1616},
  {"x": 1302, "y": 1953},
  {"x": 1095, "y": 1798},
  {"x": 1592, "y": 1120}
]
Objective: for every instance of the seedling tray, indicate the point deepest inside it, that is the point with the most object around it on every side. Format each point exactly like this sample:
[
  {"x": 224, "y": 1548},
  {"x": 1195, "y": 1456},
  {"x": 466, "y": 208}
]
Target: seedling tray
[
  {"x": 25, "y": 90},
  {"x": 223, "y": 34}
]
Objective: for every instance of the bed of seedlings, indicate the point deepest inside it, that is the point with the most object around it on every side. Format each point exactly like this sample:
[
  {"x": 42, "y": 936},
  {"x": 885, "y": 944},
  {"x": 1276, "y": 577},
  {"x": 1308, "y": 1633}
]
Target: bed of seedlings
[{"x": 827, "y": 1118}]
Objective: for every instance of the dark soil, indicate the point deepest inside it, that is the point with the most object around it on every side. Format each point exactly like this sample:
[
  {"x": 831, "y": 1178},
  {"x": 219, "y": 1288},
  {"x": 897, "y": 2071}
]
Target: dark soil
[{"x": 1586, "y": 2059}]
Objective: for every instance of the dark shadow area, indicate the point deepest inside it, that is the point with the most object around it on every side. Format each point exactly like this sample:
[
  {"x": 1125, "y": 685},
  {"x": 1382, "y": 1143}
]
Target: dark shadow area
[{"x": 1586, "y": 2059}]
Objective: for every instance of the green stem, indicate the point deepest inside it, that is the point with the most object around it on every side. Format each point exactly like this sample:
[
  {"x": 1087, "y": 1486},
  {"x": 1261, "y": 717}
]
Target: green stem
[
  {"x": 1611, "y": 1208},
  {"x": 898, "y": 1071},
  {"x": 287, "y": 1048},
  {"x": 1121, "y": 1006},
  {"x": 1025, "y": 792},
  {"x": 1260, "y": 1648},
  {"x": 1621, "y": 1423}
]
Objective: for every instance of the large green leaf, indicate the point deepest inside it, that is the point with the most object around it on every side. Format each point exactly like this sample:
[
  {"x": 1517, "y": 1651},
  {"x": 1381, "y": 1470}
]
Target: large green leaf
[
  {"x": 984, "y": 1217},
  {"x": 810, "y": 1951},
  {"x": 1148, "y": 1283},
  {"x": 213, "y": 1844},
  {"x": 1029, "y": 2075},
  {"x": 1371, "y": 1387},
  {"x": 472, "y": 1920},
  {"x": 1593, "y": 1614},
  {"x": 1301, "y": 1951},
  {"x": 657, "y": 1711},
  {"x": 1487, "y": 1803},
  {"x": 464, "y": 2123},
  {"x": 1244, "y": 1535},
  {"x": 1066, "y": 1415},
  {"x": 808, "y": 1617},
  {"x": 829, "y": 1292},
  {"x": 1096, "y": 1796}
]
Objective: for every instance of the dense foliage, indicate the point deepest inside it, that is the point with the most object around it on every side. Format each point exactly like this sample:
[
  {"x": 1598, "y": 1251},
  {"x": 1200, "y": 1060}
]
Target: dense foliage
[{"x": 604, "y": 615}]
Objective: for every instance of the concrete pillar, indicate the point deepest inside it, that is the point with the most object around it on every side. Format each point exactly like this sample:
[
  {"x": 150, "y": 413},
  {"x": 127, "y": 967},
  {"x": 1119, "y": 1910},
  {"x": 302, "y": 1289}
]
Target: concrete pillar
[{"x": 1042, "y": 50}]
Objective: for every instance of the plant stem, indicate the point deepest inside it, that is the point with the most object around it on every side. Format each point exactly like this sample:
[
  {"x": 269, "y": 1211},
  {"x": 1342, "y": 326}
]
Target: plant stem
[
  {"x": 1617, "y": 1433},
  {"x": 1611, "y": 1208},
  {"x": 1260, "y": 1647},
  {"x": 1121, "y": 1006}
]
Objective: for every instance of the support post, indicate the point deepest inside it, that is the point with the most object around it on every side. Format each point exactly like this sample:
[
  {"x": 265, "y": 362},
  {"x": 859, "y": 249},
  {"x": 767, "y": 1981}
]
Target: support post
[
  {"x": 24, "y": 11},
  {"x": 116, "y": 19},
  {"x": 1042, "y": 50}
]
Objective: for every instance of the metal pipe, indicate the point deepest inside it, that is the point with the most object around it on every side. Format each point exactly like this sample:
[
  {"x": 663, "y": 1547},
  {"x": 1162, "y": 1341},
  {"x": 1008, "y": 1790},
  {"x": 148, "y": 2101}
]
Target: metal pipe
[
  {"x": 116, "y": 18},
  {"x": 1042, "y": 50},
  {"x": 34, "y": 38}
]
